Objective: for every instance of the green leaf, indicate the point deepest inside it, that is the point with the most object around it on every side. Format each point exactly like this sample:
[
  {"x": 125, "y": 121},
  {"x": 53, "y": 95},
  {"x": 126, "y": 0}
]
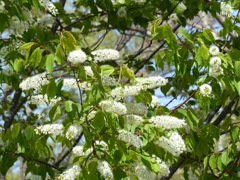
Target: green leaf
[
  {"x": 208, "y": 35},
  {"x": 68, "y": 106},
  {"x": 50, "y": 63},
  {"x": 225, "y": 158},
  {"x": 55, "y": 113},
  {"x": 15, "y": 130},
  {"x": 205, "y": 162},
  {"x": 59, "y": 54},
  {"x": 128, "y": 73},
  {"x": 99, "y": 120},
  {"x": 52, "y": 89},
  {"x": 107, "y": 69},
  {"x": 237, "y": 67},
  {"x": 36, "y": 57},
  {"x": 234, "y": 132},
  {"x": 213, "y": 161},
  {"x": 187, "y": 37},
  {"x": 28, "y": 133},
  {"x": 27, "y": 45}
]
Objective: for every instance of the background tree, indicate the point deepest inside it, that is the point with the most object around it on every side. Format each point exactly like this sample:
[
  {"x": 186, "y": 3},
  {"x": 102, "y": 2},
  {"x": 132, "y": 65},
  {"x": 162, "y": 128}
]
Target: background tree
[{"x": 79, "y": 81}]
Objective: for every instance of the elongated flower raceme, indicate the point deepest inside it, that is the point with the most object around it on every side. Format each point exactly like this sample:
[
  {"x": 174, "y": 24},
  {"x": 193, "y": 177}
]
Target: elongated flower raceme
[
  {"x": 151, "y": 82},
  {"x": 121, "y": 92},
  {"x": 137, "y": 109},
  {"x": 88, "y": 71},
  {"x": 104, "y": 168},
  {"x": 133, "y": 119},
  {"x": 130, "y": 138},
  {"x": 108, "y": 80},
  {"x": 43, "y": 100},
  {"x": 167, "y": 122},
  {"x": 113, "y": 106},
  {"x": 174, "y": 144},
  {"x": 143, "y": 173},
  {"x": 226, "y": 9},
  {"x": 164, "y": 169},
  {"x": 72, "y": 83},
  {"x": 105, "y": 55},
  {"x": 71, "y": 173},
  {"x": 49, "y": 6},
  {"x": 76, "y": 57},
  {"x": 35, "y": 82},
  {"x": 155, "y": 101},
  {"x": 73, "y": 131},
  {"x": 50, "y": 129},
  {"x": 78, "y": 151}
]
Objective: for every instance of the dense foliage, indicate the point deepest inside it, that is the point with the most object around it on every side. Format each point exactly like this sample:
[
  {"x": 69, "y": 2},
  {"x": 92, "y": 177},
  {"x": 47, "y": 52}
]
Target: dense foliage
[{"x": 85, "y": 85}]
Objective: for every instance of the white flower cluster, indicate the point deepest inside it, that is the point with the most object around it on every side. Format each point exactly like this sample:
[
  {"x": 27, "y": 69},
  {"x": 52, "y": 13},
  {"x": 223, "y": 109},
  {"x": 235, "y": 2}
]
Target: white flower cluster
[
  {"x": 133, "y": 119},
  {"x": 137, "y": 109},
  {"x": 103, "y": 144},
  {"x": 174, "y": 144},
  {"x": 155, "y": 101},
  {"x": 121, "y": 92},
  {"x": 143, "y": 173},
  {"x": 167, "y": 122},
  {"x": 17, "y": 26},
  {"x": 205, "y": 90},
  {"x": 226, "y": 9},
  {"x": 215, "y": 62},
  {"x": 42, "y": 100},
  {"x": 49, "y": 6},
  {"x": 105, "y": 55},
  {"x": 113, "y": 106},
  {"x": 72, "y": 83},
  {"x": 130, "y": 138},
  {"x": 104, "y": 168},
  {"x": 164, "y": 169},
  {"x": 173, "y": 17},
  {"x": 71, "y": 173},
  {"x": 122, "y": 12},
  {"x": 8, "y": 71},
  {"x": 88, "y": 71},
  {"x": 50, "y": 129},
  {"x": 77, "y": 57},
  {"x": 108, "y": 80},
  {"x": 182, "y": 7},
  {"x": 45, "y": 21},
  {"x": 73, "y": 131},
  {"x": 151, "y": 82},
  {"x": 78, "y": 151},
  {"x": 35, "y": 82}
]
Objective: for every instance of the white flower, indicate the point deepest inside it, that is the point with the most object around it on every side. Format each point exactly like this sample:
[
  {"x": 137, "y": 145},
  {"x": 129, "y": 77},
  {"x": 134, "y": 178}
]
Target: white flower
[
  {"x": 167, "y": 122},
  {"x": 215, "y": 62},
  {"x": 155, "y": 101},
  {"x": 73, "y": 131},
  {"x": 138, "y": 109},
  {"x": 205, "y": 89},
  {"x": 105, "y": 55},
  {"x": 151, "y": 82},
  {"x": 51, "y": 129},
  {"x": 121, "y": 12},
  {"x": 215, "y": 71},
  {"x": 113, "y": 106},
  {"x": 104, "y": 168},
  {"x": 71, "y": 173},
  {"x": 121, "y": 92},
  {"x": 226, "y": 9},
  {"x": 214, "y": 50},
  {"x": 130, "y": 138},
  {"x": 35, "y": 82},
  {"x": 72, "y": 83},
  {"x": 78, "y": 151},
  {"x": 164, "y": 169},
  {"x": 42, "y": 99},
  {"x": 174, "y": 144},
  {"x": 49, "y": 6},
  {"x": 77, "y": 57},
  {"x": 143, "y": 173},
  {"x": 103, "y": 144},
  {"x": 182, "y": 7},
  {"x": 173, "y": 17},
  {"x": 133, "y": 119},
  {"x": 88, "y": 71},
  {"x": 108, "y": 80}
]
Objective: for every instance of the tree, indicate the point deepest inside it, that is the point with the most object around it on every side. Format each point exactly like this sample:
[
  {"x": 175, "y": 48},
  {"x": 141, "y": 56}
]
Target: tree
[{"x": 79, "y": 81}]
